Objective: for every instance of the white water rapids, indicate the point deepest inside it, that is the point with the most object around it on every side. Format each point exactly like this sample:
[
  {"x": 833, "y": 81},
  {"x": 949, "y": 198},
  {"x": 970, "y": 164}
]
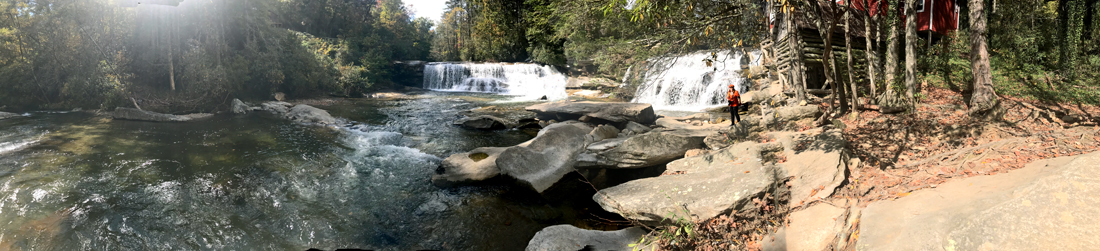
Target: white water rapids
[
  {"x": 687, "y": 83},
  {"x": 527, "y": 81}
]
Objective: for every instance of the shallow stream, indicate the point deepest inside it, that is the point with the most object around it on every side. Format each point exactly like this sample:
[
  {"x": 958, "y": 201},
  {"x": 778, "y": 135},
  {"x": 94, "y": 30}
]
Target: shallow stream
[{"x": 76, "y": 181}]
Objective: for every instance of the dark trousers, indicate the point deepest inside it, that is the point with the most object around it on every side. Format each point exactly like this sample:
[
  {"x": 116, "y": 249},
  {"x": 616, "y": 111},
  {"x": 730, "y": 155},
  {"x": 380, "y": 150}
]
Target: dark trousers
[{"x": 735, "y": 116}]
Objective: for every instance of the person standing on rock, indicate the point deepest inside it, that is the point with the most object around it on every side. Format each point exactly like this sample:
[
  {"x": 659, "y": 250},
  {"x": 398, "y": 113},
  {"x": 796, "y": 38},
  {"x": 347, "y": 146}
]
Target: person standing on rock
[{"x": 735, "y": 102}]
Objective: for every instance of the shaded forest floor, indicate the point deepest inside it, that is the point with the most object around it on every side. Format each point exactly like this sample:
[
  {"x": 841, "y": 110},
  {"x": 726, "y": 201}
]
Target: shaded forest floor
[{"x": 906, "y": 152}]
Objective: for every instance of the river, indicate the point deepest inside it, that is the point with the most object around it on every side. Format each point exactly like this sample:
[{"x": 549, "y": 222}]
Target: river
[{"x": 76, "y": 181}]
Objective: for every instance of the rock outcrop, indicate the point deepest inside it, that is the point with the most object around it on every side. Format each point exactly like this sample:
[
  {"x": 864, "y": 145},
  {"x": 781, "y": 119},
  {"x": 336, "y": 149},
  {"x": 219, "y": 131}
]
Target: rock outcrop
[
  {"x": 542, "y": 161},
  {"x": 239, "y": 107},
  {"x": 595, "y": 112},
  {"x": 276, "y": 107},
  {"x": 654, "y": 148},
  {"x": 309, "y": 114},
  {"x": 142, "y": 115},
  {"x": 484, "y": 122},
  {"x": 8, "y": 115},
  {"x": 1049, "y": 204},
  {"x": 537, "y": 163},
  {"x": 811, "y": 229},
  {"x": 816, "y": 161},
  {"x": 568, "y": 237},
  {"x": 464, "y": 168},
  {"x": 691, "y": 196}
]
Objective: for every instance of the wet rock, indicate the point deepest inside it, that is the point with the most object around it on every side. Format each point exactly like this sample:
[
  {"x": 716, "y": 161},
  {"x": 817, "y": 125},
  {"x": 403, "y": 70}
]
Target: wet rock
[
  {"x": 469, "y": 167},
  {"x": 276, "y": 107},
  {"x": 7, "y": 115},
  {"x": 617, "y": 113},
  {"x": 142, "y": 115},
  {"x": 484, "y": 122},
  {"x": 691, "y": 196},
  {"x": 542, "y": 161},
  {"x": 1049, "y": 204},
  {"x": 239, "y": 107},
  {"x": 654, "y": 148},
  {"x": 309, "y": 114},
  {"x": 568, "y": 237},
  {"x": 385, "y": 95}
]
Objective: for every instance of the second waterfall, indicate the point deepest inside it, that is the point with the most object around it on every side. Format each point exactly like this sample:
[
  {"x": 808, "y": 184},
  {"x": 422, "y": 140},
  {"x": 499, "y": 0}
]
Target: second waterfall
[
  {"x": 528, "y": 81},
  {"x": 689, "y": 83}
]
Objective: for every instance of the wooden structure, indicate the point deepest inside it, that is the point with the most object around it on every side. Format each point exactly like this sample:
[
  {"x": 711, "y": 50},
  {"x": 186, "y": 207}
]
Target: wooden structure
[{"x": 939, "y": 16}]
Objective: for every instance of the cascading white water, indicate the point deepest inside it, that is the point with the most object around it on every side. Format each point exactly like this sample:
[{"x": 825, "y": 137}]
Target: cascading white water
[
  {"x": 687, "y": 83},
  {"x": 528, "y": 81}
]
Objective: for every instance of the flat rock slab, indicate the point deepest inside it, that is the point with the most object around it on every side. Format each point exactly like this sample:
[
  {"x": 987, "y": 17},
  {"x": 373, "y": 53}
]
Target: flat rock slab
[
  {"x": 484, "y": 122},
  {"x": 1049, "y": 204},
  {"x": 142, "y": 115},
  {"x": 653, "y": 148},
  {"x": 812, "y": 229},
  {"x": 692, "y": 196},
  {"x": 816, "y": 161},
  {"x": 615, "y": 112},
  {"x": 570, "y": 238}
]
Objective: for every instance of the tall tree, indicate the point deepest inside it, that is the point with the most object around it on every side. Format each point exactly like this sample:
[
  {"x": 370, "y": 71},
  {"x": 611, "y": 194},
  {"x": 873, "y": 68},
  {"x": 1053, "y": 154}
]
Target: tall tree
[
  {"x": 911, "y": 51},
  {"x": 984, "y": 97},
  {"x": 892, "y": 46}
]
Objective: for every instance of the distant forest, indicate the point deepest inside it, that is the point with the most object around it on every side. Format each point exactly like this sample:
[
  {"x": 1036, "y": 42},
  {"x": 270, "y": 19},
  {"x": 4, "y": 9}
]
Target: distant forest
[{"x": 197, "y": 56}]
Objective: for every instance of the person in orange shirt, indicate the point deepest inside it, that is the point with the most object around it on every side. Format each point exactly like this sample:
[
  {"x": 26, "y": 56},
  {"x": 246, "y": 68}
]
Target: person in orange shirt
[{"x": 734, "y": 98}]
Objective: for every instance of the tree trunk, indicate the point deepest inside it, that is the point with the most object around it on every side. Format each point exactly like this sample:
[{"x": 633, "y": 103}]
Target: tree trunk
[
  {"x": 892, "y": 51},
  {"x": 984, "y": 97},
  {"x": 854, "y": 91},
  {"x": 171, "y": 69},
  {"x": 869, "y": 51},
  {"x": 797, "y": 74},
  {"x": 911, "y": 51}
]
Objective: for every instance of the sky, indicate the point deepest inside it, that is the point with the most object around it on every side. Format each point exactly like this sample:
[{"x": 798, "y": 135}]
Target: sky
[{"x": 431, "y": 9}]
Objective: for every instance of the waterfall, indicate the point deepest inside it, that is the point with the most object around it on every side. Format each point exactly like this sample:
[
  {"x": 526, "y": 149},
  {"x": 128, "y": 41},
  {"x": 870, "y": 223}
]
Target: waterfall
[
  {"x": 687, "y": 83},
  {"x": 528, "y": 81}
]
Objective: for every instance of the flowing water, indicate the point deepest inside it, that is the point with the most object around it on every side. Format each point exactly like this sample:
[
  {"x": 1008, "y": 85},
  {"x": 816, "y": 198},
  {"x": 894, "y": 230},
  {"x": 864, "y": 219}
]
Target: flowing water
[
  {"x": 77, "y": 182},
  {"x": 525, "y": 81},
  {"x": 688, "y": 83}
]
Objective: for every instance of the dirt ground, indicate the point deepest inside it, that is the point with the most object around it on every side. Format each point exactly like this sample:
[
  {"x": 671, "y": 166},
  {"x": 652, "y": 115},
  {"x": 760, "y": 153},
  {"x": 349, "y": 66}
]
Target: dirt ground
[{"x": 902, "y": 153}]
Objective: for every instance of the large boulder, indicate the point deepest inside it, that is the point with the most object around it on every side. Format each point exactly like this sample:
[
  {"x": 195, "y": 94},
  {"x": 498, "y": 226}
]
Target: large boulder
[
  {"x": 654, "y": 148},
  {"x": 276, "y": 107},
  {"x": 239, "y": 107},
  {"x": 484, "y": 122},
  {"x": 462, "y": 168},
  {"x": 309, "y": 114},
  {"x": 143, "y": 115},
  {"x": 633, "y": 128},
  {"x": 1049, "y": 204},
  {"x": 570, "y": 238},
  {"x": 596, "y": 112},
  {"x": 691, "y": 196},
  {"x": 542, "y": 161},
  {"x": 7, "y": 115}
]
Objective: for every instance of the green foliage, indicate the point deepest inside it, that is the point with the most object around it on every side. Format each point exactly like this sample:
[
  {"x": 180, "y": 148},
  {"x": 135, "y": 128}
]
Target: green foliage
[{"x": 200, "y": 54}]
